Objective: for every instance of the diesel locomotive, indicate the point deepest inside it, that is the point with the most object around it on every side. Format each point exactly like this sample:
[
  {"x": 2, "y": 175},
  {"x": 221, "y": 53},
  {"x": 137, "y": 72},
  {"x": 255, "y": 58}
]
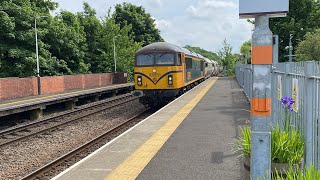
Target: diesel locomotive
[{"x": 163, "y": 71}]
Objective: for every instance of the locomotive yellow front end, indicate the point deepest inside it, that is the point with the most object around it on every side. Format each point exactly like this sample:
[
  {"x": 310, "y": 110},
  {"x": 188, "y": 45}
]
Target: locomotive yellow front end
[
  {"x": 158, "y": 73},
  {"x": 158, "y": 77}
]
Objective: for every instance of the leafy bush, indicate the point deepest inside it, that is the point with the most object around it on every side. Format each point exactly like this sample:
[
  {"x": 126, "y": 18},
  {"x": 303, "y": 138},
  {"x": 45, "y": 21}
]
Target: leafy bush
[
  {"x": 309, "y": 49},
  {"x": 286, "y": 146},
  {"x": 296, "y": 173},
  {"x": 243, "y": 143}
]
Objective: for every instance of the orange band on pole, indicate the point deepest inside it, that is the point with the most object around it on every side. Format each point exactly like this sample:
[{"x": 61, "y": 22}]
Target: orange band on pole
[
  {"x": 262, "y": 54},
  {"x": 261, "y": 106}
]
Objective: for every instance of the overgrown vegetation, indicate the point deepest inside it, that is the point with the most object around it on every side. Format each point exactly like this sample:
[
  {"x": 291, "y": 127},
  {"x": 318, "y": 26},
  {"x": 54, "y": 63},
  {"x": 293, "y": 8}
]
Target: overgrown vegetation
[
  {"x": 243, "y": 143},
  {"x": 286, "y": 146},
  {"x": 296, "y": 173},
  {"x": 228, "y": 58},
  {"x": 309, "y": 48},
  {"x": 245, "y": 50},
  {"x": 303, "y": 23},
  {"x": 79, "y": 43},
  {"x": 205, "y": 53},
  {"x": 143, "y": 27},
  {"x": 224, "y": 56},
  {"x": 70, "y": 43}
]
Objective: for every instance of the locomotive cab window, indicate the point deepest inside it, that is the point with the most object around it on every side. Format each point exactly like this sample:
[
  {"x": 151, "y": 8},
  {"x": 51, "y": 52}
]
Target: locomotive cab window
[
  {"x": 188, "y": 63},
  {"x": 179, "y": 60},
  {"x": 164, "y": 59},
  {"x": 156, "y": 58},
  {"x": 145, "y": 60},
  {"x": 201, "y": 66}
]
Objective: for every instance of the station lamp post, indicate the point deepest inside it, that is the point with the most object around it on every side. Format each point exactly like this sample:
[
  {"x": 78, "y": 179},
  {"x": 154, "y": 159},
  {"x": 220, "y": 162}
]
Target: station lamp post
[
  {"x": 37, "y": 53},
  {"x": 114, "y": 53},
  {"x": 290, "y": 48},
  {"x": 261, "y": 60}
]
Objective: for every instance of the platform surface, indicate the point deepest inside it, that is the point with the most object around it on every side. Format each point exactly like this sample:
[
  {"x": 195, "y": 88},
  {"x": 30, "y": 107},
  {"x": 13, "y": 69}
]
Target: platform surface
[
  {"x": 33, "y": 100},
  {"x": 201, "y": 147},
  {"x": 191, "y": 138}
]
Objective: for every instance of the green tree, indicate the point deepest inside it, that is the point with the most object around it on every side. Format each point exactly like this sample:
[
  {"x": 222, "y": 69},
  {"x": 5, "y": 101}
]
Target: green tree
[
  {"x": 303, "y": 17},
  {"x": 17, "y": 46},
  {"x": 44, "y": 6},
  {"x": 203, "y": 52},
  {"x": 309, "y": 49},
  {"x": 67, "y": 42},
  {"x": 92, "y": 29},
  {"x": 246, "y": 50},
  {"x": 143, "y": 26},
  {"x": 124, "y": 44},
  {"x": 227, "y": 58}
]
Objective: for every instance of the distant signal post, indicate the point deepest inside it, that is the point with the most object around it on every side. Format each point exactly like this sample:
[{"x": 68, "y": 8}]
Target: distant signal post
[{"x": 262, "y": 58}]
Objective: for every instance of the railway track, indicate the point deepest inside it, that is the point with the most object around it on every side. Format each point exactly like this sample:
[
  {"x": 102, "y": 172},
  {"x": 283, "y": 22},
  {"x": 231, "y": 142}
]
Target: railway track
[
  {"x": 13, "y": 135},
  {"x": 55, "y": 167}
]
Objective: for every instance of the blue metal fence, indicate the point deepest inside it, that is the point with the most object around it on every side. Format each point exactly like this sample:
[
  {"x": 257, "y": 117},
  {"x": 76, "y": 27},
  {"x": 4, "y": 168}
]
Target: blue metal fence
[{"x": 301, "y": 81}]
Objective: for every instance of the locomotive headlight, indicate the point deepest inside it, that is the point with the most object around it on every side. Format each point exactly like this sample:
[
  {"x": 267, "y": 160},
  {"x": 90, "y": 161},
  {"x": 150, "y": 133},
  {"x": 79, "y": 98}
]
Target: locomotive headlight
[
  {"x": 170, "y": 80},
  {"x": 139, "y": 78}
]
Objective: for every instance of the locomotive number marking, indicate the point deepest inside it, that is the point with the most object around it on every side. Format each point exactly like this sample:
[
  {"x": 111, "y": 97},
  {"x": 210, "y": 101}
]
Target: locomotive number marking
[{"x": 189, "y": 76}]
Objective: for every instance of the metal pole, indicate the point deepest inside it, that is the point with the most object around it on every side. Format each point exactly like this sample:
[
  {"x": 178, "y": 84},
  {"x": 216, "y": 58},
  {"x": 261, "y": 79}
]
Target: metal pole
[
  {"x": 261, "y": 99},
  {"x": 245, "y": 59},
  {"x": 290, "y": 48},
  {"x": 309, "y": 108},
  {"x": 274, "y": 78},
  {"x": 275, "y": 49},
  {"x": 37, "y": 57},
  {"x": 114, "y": 55}
]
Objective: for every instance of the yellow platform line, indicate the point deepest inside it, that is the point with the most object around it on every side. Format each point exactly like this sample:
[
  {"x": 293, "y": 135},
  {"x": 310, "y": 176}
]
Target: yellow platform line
[
  {"x": 136, "y": 162},
  {"x": 57, "y": 95}
]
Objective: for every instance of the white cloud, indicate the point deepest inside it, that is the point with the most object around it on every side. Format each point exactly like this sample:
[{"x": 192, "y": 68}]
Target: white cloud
[
  {"x": 206, "y": 9},
  {"x": 220, "y": 21},
  {"x": 155, "y": 3},
  {"x": 210, "y": 7},
  {"x": 219, "y": 4},
  {"x": 203, "y": 23},
  {"x": 163, "y": 24}
]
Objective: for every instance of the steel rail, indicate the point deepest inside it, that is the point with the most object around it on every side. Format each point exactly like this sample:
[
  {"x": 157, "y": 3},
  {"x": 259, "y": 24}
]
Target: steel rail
[
  {"x": 77, "y": 154},
  {"x": 54, "y": 120}
]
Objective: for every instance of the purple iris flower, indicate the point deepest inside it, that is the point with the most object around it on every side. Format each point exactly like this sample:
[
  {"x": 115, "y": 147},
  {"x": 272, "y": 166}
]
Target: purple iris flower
[
  {"x": 290, "y": 107},
  {"x": 287, "y": 101},
  {"x": 291, "y": 101}
]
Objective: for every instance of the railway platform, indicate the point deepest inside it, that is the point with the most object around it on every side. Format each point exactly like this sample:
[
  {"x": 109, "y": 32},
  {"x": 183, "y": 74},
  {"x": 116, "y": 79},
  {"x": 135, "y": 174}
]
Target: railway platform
[
  {"x": 36, "y": 104},
  {"x": 190, "y": 138}
]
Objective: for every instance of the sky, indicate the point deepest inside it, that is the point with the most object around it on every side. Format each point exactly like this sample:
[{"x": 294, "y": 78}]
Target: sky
[{"x": 200, "y": 23}]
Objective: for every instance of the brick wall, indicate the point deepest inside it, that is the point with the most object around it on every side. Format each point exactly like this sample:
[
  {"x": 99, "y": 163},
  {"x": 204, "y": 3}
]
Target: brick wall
[
  {"x": 53, "y": 84},
  {"x": 73, "y": 82},
  {"x": 106, "y": 79},
  {"x": 91, "y": 80},
  {"x": 11, "y": 88},
  {"x": 16, "y": 87},
  {"x": 35, "y": 85}
]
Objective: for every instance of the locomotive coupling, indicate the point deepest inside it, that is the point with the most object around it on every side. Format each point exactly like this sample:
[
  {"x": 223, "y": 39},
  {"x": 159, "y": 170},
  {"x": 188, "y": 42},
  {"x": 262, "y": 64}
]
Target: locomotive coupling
[{"x": 137, "y": 93}]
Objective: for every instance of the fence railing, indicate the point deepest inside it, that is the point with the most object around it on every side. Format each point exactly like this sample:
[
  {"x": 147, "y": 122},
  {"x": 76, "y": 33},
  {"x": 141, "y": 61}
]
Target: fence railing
[{"x": 301, "y": 81}]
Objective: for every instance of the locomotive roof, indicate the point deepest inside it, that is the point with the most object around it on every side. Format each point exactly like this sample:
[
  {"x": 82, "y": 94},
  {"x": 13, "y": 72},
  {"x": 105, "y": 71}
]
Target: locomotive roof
[
  {"x": 167, "y": 47},
  {"x": 208, "y": 60},
  {"x": 215, "y": 62}
]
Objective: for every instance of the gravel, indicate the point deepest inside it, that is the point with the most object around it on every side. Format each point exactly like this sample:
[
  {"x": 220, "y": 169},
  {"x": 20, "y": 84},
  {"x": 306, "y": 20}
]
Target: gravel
[
  {"x": 22, "y": 158},
  {"x": 23, "y": 122}
]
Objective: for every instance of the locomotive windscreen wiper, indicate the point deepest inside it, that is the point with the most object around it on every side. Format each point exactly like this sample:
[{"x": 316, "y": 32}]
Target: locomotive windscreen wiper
[{"x": 162, "y": 54}]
